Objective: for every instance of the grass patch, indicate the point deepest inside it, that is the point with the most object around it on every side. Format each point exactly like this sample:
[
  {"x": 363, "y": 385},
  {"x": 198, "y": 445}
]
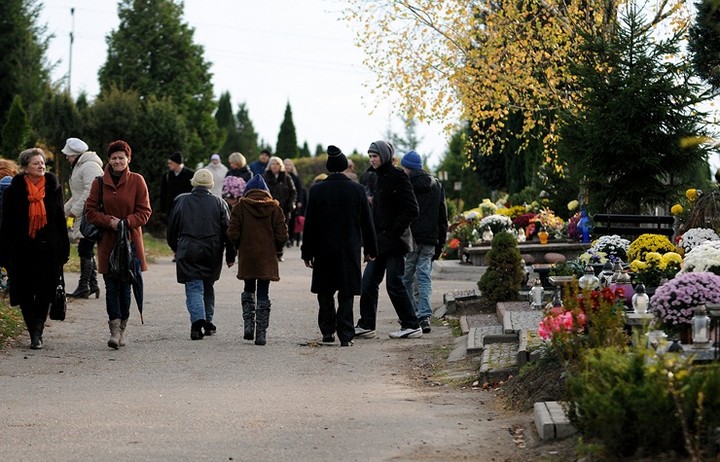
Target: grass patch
[
  {"x": 11, "y": 322},
  {"x": 154, "y": 248}
]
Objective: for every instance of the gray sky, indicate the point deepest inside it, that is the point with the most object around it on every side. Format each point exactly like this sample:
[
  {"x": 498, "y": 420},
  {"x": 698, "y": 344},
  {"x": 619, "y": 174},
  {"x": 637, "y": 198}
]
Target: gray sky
[{"x": 265, "y": 53}]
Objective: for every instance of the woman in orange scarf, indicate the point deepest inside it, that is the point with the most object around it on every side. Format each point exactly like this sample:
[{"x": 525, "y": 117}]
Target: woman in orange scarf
[{"x": 34, "y": 242}]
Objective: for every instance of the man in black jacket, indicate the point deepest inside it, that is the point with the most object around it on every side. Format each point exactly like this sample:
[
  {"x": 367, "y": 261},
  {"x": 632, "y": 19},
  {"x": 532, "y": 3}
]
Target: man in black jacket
[
  {"x": 429, "y": 233},
  {"x": 197, "y": 233},
  {"x": 175, "y": 181},
  {"x": 394, "y": 207}
]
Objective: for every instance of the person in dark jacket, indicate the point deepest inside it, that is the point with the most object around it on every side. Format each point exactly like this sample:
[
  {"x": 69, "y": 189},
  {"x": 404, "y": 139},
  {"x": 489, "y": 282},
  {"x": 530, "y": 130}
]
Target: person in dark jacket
[
  {"x": 429, "y": 231},
  {"x": 34, "y": 243},
  {"x": 337, "y": 224},
  {"x": 394, "y": 208},
  {"x": 238, "y": 167},
  {"x": 197, "y": 233},
  {"x": 282, "y": 190},
  {"x": 175, "y": 181}
]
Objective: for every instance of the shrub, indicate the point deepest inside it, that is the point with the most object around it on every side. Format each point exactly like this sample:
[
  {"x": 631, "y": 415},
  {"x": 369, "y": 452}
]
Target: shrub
[{"x": 501, "y": 281}]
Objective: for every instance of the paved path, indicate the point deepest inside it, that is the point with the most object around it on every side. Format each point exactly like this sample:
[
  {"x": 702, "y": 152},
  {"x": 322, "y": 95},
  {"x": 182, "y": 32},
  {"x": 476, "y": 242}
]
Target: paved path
[{"x": 165, "y": 397}]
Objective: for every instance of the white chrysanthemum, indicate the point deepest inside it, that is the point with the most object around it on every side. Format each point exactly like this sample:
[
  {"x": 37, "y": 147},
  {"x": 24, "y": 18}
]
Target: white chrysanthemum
[
  {"x": 693, "y": 237},
  {"x": 704, "y": 257},
  {"x": 496, "y": 223}
]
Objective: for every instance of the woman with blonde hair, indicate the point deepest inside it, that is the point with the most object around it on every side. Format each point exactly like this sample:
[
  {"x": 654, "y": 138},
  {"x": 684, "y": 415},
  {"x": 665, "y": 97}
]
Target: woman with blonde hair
[
  {"x": 281, "y": 188},
  {"x": 238, "y": 167},
  {"x": 34, "y": 243}
]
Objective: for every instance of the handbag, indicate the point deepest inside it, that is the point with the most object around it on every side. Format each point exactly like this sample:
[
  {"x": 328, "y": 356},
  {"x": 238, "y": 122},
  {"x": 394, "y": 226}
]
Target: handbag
[
  {"x": 121, "y": 265},
  {"x": 87, "y": 229},
  {"x": 299, "y": 224},
  {"x": 58, "y": 308}
]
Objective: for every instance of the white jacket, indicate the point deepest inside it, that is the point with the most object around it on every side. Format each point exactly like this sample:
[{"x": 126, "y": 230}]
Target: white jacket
[
  {"x": 86, "y": 169},
  {"x": 218, "y": 172}
]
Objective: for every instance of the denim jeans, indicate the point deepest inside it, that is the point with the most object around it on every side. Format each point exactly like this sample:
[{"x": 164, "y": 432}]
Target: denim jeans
[
  {"x": 419, "y": 262},
  {"x": 394, "y": 266},
  {"x": 117, "y": 298},
  {"x": 200, "y": 299}
]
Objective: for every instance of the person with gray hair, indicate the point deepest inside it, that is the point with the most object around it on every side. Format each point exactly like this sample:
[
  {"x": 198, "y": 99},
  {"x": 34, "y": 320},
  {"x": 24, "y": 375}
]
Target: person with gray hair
[
  {"x": 196, "y": 232},
  {"x": 394, "y": 209},
  {"x": 34, "y": 243}
]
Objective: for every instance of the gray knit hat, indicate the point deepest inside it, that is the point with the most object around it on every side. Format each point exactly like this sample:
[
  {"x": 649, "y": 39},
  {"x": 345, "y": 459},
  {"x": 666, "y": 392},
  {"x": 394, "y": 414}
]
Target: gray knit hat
[{"x": 384, "y": 149}]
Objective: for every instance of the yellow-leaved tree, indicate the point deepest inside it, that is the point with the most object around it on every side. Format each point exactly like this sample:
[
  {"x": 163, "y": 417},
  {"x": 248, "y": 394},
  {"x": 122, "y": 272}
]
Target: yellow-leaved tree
[{"x": 485, "y": 61}]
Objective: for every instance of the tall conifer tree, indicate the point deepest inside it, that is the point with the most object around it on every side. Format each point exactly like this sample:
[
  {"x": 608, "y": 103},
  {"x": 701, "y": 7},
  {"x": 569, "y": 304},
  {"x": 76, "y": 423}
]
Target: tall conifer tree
[{"x": 287, "y": 147}]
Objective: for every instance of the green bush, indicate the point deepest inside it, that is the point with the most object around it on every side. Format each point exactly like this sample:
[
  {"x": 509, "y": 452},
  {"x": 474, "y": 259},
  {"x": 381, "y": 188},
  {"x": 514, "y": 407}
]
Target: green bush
[
  {"x": 11, "y": 322},
  {"x": 639, "y": 405},
  {"x": 501, "y": 281}
]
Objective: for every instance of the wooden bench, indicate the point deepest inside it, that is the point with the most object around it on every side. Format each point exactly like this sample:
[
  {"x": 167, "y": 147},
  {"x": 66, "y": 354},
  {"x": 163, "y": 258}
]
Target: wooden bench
[{"x": 632, "y": 225}]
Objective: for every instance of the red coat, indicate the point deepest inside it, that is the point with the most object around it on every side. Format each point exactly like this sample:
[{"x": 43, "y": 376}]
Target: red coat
[{"x": 128, "y": 200}]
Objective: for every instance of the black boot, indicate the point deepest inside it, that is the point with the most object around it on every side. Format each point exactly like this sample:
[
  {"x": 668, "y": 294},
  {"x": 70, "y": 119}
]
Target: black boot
[
  {"x": 83, "y": 288},
  {"x": 262, "y": 320},
  {"x": 248, "y": 307},
  {"x": 196, "y": 330},
  {"x": 92, "y": 281}
]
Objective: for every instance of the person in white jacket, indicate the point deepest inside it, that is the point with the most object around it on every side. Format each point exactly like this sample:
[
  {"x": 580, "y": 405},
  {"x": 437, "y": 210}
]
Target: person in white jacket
[
  {"x": 86, "y": 166},
  {"x": 218, "y": 171}
]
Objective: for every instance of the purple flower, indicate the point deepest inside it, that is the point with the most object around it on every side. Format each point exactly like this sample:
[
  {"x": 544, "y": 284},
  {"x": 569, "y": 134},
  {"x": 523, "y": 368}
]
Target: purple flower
[{"x": 675, "y": 300}]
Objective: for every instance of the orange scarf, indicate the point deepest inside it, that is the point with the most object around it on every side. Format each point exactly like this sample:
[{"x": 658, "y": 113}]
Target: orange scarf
[{"x": 38, "y": 214}]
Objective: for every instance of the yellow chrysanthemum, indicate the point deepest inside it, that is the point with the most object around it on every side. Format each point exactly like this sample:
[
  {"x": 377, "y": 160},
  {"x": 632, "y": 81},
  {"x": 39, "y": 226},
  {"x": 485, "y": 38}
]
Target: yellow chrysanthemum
[
  {"x": 653, "y": 258},
  {"x": 672, "y": 257},
  {"x": 638, "y": 266},
  {"x": 572, "y": 205},
  {"x": 677, "y": 209},
  {"x": 691, "y": 194}
]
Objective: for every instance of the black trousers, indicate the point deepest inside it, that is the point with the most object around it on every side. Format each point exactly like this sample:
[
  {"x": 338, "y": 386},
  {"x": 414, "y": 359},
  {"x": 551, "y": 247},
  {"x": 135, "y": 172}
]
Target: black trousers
[{"x": 341, "y": 321}]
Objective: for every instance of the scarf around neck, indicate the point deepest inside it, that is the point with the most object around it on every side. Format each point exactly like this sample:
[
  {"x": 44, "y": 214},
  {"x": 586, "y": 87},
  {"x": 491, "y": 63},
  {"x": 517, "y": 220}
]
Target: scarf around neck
[{"x": 37, "y": 212}]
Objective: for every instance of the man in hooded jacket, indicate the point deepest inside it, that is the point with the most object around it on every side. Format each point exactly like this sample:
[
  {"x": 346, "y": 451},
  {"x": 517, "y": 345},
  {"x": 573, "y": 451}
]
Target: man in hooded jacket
[{"x": 394, "y": 208}]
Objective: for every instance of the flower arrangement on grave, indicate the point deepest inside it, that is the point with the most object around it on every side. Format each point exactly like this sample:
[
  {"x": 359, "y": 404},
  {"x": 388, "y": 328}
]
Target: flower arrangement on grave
[
  {"x": 552, "y": 223},
  {"x": 681, "y": 209},
  {"x": 487, "y": 208},
  {"x": 593, "y": 257},
  {"x": 613, "y": 246},
  {"x": 649, "y": 243},
  {"x": 704, "y": 257},
  {"x": 675, "y": 300},
  {"x": 586, "y": 319},
  {"x": 571, "y": 230},
  {"x": 696, "y": 236},
  {"x": 523, "y": 222},
  {"x": 495, "y": 223},
  {"x": 513, "y": 212},
  {"x": 655, "y": 268}
]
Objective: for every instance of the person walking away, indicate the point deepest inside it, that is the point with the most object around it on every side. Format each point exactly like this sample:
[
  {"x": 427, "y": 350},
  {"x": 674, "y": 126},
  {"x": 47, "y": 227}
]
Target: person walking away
[
  {"x": 282, "y": 189},
  {"x": 239, "y": 167},
  {"x": 85, "y": 166},
  {"x": 34, "y": 242},
  {"x": 218, "y": 171},
  {"x": 125, "y": 197},
  {"x": 294, "y": 231},
  {"x": 175, "y": 181},
  {"x": 350, "y": 171},
  {"x": 197, "y": 233},
  {"x": 338, "y": 223},
  {"x": 394, "y": 207},
  {"x": 258, "y": 232},
  {"x": 429, "y": 232},
  {"x": 259, "y": 166}
]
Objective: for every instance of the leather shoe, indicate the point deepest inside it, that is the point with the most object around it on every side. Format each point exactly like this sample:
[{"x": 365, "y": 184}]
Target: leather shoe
[{"x": 328, "y": 338}]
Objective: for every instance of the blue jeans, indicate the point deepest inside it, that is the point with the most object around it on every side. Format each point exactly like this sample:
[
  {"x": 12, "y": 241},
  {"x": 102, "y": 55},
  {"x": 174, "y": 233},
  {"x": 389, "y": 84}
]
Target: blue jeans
[
  {"x": 117, "y": 298},
  {"x": 419, "y": 262},
  {"x": 200, "y": 299},
  {"x": 394, "y": 266}
]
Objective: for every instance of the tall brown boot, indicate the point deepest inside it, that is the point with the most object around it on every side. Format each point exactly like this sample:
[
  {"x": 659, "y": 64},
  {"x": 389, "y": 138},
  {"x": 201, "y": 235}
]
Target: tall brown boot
[
  {"x": 123, "y": 338},
  {"x": 114, "y": 341}
]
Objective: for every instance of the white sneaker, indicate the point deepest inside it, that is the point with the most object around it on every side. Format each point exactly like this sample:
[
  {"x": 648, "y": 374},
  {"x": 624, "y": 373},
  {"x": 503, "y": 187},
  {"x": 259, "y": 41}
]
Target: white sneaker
[
  {"x": 364, "y": 333},
  {"x": 407, "y": 333}
]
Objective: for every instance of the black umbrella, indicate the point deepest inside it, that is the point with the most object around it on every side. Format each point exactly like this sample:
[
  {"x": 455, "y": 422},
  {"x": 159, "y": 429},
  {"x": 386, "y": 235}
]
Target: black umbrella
[{"x": 137, "y": 284}]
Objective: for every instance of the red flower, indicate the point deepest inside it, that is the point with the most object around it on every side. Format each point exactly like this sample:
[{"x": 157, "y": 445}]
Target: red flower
[{"x": 454, "y": 243}]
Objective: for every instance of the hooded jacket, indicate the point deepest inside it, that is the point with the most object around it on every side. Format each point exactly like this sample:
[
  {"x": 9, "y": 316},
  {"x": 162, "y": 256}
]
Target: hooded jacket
[
  {"x": 86, "y": 168},
  {"x": 258, "y": 232},
  {"x": 430, "y": 227}
]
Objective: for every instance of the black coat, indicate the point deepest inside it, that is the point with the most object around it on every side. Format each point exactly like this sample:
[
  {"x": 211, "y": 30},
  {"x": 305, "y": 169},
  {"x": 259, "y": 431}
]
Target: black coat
[
  {"x": 337, "y": 224},
  {"x": 33, "y": 265},
  {"x": 282, "y": 190},
  {"x": 430, "y": 227},
  {"x": 197, "y": 232},
  {"x": 394, "y": 208},
  {"x": 242, "y": 172},
  {"x": 173, "y": 185}
]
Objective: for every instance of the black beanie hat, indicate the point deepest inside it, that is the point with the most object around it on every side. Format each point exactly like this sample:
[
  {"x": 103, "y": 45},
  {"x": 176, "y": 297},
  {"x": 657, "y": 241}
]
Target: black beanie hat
[
  {"x": 176, "y": 157},
  {"x": 336, "y": 161}
]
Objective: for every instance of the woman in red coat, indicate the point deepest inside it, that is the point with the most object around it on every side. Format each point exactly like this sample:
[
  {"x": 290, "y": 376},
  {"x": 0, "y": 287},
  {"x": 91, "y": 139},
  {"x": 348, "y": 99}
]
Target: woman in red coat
[{"x": 125, "y": 197}]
